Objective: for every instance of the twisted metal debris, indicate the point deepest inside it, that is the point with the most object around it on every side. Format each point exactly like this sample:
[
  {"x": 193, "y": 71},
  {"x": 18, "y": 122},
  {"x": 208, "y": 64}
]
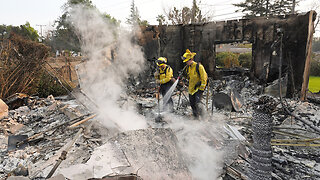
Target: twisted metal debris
[{"x": 261, "y": 167}]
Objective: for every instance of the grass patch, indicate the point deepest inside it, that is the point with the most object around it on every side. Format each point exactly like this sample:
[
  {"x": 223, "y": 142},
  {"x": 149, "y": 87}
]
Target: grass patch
[{"x": 314, "y": 84}]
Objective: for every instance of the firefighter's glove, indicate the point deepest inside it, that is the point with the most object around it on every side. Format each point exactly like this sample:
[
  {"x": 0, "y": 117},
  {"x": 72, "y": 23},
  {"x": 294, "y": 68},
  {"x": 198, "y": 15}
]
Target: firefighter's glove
[
  {"x": 180, "y": 85},
  {"x": 197, "y": 85}
]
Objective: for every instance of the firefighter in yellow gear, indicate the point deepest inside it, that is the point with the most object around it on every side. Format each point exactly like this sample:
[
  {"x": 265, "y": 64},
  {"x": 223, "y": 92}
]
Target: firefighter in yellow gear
[
  {"x": 197, "y": 76},
  {"x": 164, "y": 75}
]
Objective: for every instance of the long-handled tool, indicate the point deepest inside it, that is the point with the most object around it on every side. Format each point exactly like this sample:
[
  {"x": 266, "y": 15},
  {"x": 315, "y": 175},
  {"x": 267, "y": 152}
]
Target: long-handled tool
[
  {"x": 159, "y": 117},
  {"x": 64, "y": 153},
  {"x": 179, "y": 100},
  {"x": 180, "y": 74}
]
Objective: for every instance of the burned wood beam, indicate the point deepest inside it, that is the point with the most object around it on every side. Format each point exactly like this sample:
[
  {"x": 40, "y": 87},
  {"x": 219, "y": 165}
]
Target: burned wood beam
[
  {"x": 260, "y": 31},
  {"x": 305, "y": 83},
  {"x": 234, "y": 173}
]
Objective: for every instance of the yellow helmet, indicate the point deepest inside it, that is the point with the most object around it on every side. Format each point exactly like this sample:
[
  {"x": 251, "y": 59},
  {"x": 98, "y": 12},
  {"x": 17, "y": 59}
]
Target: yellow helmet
[
  {"x": 161, "y": 61},
  {"x": 187, "y": 55}
]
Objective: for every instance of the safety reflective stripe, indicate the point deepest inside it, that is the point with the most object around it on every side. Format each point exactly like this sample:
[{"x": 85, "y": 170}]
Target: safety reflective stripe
[
  {"x": 162, "y": 81},
  {"x": 168, "y": 75}
]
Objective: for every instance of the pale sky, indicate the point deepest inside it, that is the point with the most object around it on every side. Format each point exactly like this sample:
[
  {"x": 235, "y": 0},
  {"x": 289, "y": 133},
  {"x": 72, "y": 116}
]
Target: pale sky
[{"x": 45, "y": 12}]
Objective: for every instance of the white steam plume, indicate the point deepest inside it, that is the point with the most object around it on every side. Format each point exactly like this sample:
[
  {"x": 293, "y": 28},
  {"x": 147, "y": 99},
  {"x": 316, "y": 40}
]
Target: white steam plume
[
  {"x": 103, "y": 79},
  {"x": 104, "y": 83},
  {"x": 199, "y": 142}
]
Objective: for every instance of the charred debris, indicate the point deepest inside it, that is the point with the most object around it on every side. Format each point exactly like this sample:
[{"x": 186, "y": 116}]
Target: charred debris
[{"x": 262, "y": 120}]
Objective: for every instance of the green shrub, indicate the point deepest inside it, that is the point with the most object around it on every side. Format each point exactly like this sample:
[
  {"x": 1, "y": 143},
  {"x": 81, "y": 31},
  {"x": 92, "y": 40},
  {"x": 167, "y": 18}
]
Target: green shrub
[
  {"x": 245, "y": 59},
  {"x": 314, "y": 67},
  {"x": 50, "y": 86},
  {"x": 227, "y": 59},
  {"x": 315, "y": 45},
  {"x": 219, "y": 58},
  {"x": 314, "y": 84},
  {"x": 244, "y": 45}
]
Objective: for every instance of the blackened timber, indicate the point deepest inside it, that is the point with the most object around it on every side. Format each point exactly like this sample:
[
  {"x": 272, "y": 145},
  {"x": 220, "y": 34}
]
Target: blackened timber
[{"x": 260, "y": 31}]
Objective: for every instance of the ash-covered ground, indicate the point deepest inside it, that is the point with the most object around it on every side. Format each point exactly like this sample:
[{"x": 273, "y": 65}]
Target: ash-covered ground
[
  {"x": 107, "y": 128},
  {"x": 179, "y": 147}
]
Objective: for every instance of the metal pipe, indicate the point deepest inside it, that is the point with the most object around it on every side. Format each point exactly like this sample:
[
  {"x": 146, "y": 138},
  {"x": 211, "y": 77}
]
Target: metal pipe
[{"x": 64, "y": 154}]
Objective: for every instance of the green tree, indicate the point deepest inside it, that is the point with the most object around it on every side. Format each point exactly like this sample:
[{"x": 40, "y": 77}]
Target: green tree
[
  {"x": 111, "y": 19},
  {"x": 177, "y": 16},
  {"x": 227, "y": 59},
  {"x": 161, "y": 19},
  {"x": 196, "y": 14},
  {"x": 282, "y": 7},
  {"x": 134, "y": 17},
  {"x": 315, "y": 65},
  {"x": 64, "y": 36},
  {"x": 26, "y": 31},
  {"x": 254, "y": 8},
  {"x": 186, "y": 15},
  {"x": 245, "y": 59},
  {"x": 316, "y": 45}
]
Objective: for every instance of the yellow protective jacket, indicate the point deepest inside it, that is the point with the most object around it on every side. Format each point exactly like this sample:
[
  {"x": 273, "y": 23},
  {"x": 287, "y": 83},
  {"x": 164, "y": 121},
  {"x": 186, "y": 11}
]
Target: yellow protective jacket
[
  {"x": 194, "y": 78},
  {"x": 164, "y": 75}
]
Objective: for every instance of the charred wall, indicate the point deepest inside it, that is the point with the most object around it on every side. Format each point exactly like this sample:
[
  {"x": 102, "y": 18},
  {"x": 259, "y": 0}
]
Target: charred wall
[{"x": 172, "y": 41}]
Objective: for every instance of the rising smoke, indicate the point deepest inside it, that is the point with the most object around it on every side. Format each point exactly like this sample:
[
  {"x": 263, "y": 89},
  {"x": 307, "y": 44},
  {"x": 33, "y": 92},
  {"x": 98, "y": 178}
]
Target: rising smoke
[
  {"x": 199, "y": 142},
  {"x": 103, "y": 79}
]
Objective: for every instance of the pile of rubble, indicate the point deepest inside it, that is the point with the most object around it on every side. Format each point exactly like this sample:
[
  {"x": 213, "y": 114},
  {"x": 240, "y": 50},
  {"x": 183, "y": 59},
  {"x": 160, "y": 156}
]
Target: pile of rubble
[
  {"x": 34, "y": 133},
  {"x": 60, "y": 137}
]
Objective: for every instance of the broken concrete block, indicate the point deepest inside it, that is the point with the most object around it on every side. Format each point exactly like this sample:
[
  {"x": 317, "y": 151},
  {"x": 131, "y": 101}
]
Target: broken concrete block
[
  {"x": 81, "y": 172},
  {"x": 153, "y": 153},
  {"x": 3, "y": 109}
]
